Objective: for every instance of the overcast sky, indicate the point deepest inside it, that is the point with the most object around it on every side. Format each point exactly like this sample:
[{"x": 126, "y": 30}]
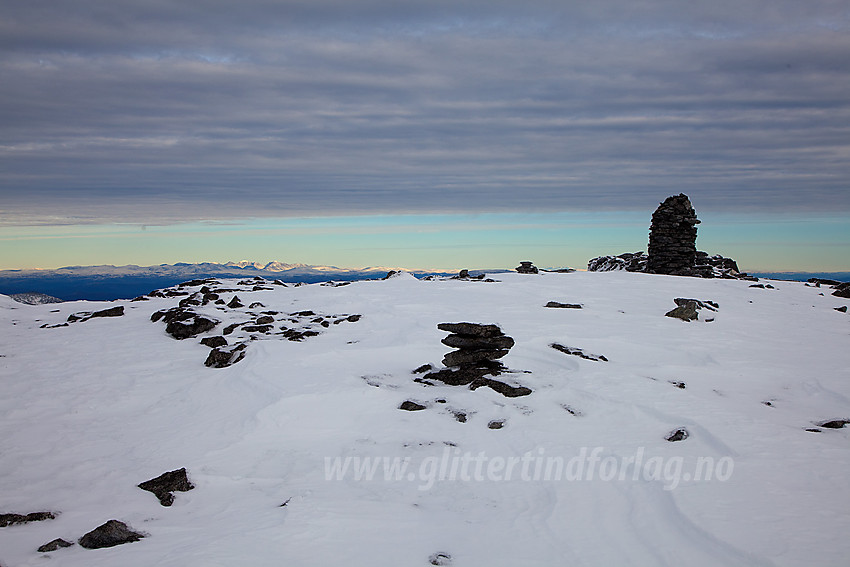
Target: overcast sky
[{"x": 157, "y": 111}]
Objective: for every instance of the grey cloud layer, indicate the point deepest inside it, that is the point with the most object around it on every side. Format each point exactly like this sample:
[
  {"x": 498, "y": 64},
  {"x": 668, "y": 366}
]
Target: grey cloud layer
[{"x": 145, "y": 110}]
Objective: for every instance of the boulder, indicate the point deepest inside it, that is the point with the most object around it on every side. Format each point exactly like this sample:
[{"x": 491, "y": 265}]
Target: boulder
[
  {"x": 110, "y": 534},
  {"x": 166, "y": 483},
  {"x": 473, "y": 329},
  {"x": 679, "y": 435},
  {"x": 686, "y": 312},
  {"x": 526, "y": 268},
  {"x": 223, "y": 356},
  {"x": 214, "y": 342},
  {"x": 411, "y": 406},
  {"x": 463, "y": 356},
  {"x": 12, "y": 519},
  {"x": 473, "y": 342},
  {"x": 57, "y": 543}
]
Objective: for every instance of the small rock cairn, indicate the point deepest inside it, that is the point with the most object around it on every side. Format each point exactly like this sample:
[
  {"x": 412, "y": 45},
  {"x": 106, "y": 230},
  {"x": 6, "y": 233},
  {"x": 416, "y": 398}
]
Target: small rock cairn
[
  {"x": 527, "y": 268},
  {"x": 478, "y": 348}
]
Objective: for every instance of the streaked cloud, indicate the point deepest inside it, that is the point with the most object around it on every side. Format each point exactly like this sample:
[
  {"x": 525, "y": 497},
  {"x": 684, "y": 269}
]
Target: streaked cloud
[{"x": 156, "y": 112}]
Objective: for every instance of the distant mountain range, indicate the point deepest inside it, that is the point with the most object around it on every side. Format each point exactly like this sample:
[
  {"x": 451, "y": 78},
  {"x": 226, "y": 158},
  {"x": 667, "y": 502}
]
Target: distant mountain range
[{"x": 108, "y": 282}]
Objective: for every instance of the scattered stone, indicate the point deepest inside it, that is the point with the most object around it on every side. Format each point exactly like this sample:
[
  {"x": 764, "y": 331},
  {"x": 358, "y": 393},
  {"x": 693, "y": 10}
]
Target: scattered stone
[
  {"x": 629, "y": 262},
  {"x": 834, "y": 424},
  {"x": 496, "y": 424},
  {"x": 680, "y": 385},
  {"x": 166, "y": 483},
  {"x": 557, "y": 305},
  {"x": 760, "y": 286},
  {"x": 411, "y": 406},
  {"x": 110, "y": 534},
  {"x": 460, "y": 416},
  {"x": 257, "y": 328},
  {"x": 214, "y": 342},
  {"x": 687, "y": 309},
  {"x": 819, "y": 281},
  {"x": 221, "y": 357},
  {"x": 116, "y": 311},
  {"x": 256, "y": 305},
  {"x": 12, "y": 519},
  {"x": 842, "y": 309},
  {"x": 230, "y": 328},
  {"x": 440, "y": 559},
  {"x": 842, "y": 290},
  {"x": 235, "y": 303},
  {"x": 687, "y": 312},
  {"x": 502, "y": 388},
  {"x": 768, "y": 403},
  {"x": 474, "y": 329},
  {"x": 191, "y": 327},
  {"x": 572, "y": 411},
  {"x": 526, "y": 268},
  {"x": 578, "y": 352},
  {"x": 57, "y": 543},
  {"x": 461, "y": 357},
  {"x": 678, "y": 435},
  {"x": 471, "y": 342},
  {"x": 813, "y": 430}
]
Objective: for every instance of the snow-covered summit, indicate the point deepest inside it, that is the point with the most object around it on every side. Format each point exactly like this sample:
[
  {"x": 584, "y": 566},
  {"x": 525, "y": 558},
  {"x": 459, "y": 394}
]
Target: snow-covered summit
[{"x": 624, "y": 437}]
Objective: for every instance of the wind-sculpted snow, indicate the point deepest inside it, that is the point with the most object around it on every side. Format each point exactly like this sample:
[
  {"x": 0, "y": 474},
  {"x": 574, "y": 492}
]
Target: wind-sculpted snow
[{"x": 688, "y": 444}]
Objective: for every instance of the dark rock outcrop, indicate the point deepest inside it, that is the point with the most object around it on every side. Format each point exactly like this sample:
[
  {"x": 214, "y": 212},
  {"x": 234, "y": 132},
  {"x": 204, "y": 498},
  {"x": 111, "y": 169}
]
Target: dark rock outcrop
[
  {"x": 110, "y": 534},
  {"x": 57, "y": 543},
  {"x": 629, "y": 261},
  {"x": 834, "y": 423},
  {"x": 409, "y": 405},
  {"x": 223, "y": 356},
  {"x": 214, "y": 342},
  {"x": 688, "y": 309},
  {"x": 166, "y": 483},
  {"x": 672, "y": 237},
  {"x": 12, "y": 519},
  {"x": 842, "y": 290},
  {"x": 578, "y": 352},
  {"x": 527, "y": 268},
  {"x": 679, "y": 435},
  {"x": 183, "y": 323},
  {"x": 557, "y": 305}
]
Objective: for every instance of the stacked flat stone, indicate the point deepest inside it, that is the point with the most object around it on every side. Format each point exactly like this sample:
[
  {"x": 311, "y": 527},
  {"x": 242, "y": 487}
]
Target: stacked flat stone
[
  {"x": 526, "y": 268},
  {"x": 475, "y": 343},
  {"x": 672, "y": 237}
]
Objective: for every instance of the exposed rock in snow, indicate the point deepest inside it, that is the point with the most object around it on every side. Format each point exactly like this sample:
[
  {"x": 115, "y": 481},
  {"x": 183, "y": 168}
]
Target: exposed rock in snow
[
  {"x": 12, "y": 519},
  {"x": 33, "y": 298},
  {"x": 110, "y": 534},
  {"x": 527, "y": 268},
  {"x": 410, "y": 405},
  {"x": 557, "y": 305},
  {"x": 679, "y": 435},
  {"x": 166, "y": 483},
  {"x": 57, "y": 543},
  {"x": 578, "y": 352}
]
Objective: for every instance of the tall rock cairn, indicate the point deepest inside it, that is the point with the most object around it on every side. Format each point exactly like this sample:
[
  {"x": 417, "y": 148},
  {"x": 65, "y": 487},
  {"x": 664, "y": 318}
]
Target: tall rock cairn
[{"x": 673, "y": 237}]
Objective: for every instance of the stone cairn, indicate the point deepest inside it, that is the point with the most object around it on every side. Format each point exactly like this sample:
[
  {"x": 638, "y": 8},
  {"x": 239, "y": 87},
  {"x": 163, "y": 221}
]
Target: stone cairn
[
  {"x": 526, "y": 268},
  {"x": 673, "y": 237},
  {"x": 478, "y": 349}
]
